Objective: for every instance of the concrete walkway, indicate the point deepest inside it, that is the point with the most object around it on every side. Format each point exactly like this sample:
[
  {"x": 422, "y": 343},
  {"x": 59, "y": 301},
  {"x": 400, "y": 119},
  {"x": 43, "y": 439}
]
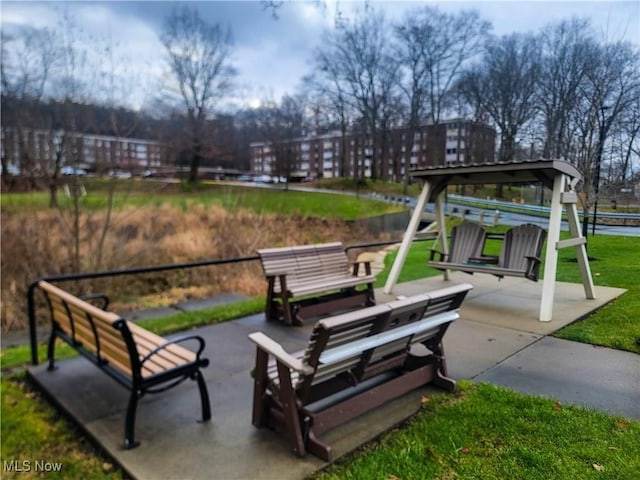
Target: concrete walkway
[{"x": 498, "y": 339}]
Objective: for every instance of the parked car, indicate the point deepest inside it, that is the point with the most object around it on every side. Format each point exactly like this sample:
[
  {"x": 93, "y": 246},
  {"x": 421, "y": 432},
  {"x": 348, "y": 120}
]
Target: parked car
[
  {"x": 68, "y": 170},
  {"x": 120, "y": 174},
  {"x": 264, "y": 179}
]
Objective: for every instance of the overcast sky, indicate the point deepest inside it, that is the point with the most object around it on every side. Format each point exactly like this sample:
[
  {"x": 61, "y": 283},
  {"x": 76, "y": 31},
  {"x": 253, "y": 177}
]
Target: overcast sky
[{"x": 271, "y": 55}]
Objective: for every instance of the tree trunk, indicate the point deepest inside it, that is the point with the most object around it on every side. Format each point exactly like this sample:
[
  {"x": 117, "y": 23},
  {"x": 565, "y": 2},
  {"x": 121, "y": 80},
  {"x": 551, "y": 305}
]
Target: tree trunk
[
  {"x": 53, "y": 192},
  {"x": 196, "y": 155},
  {"x": 585, "y": 221}
]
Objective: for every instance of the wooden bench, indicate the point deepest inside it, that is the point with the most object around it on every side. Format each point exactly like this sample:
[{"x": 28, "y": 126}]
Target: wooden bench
[
  {"x": 296, "y": 275},
  {"x": 519, "y": 255},
  {"x": 136, "y": 358},
  {"x": 353, "y": 363}
]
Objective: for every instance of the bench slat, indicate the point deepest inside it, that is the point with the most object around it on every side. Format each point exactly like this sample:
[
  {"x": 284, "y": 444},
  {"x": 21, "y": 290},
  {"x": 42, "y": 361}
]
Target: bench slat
[
  {"x": 149, "y": 341},
  {"x": 368, "y": 343},
  {"x": 334, "y": 284}
]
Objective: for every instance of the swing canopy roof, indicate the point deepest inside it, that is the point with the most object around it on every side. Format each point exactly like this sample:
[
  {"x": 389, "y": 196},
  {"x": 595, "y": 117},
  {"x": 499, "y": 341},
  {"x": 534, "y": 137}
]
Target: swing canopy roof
[{"x": 527, "y": 171}]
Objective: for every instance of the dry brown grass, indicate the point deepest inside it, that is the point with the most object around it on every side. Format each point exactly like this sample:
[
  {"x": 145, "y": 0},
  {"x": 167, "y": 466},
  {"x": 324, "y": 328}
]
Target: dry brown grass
[{"x": 42, "y": 244}]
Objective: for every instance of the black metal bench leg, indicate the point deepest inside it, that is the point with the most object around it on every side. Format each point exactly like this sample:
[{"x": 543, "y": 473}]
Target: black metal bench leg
[
  {"x": 130, "y": 423},
  {"x": 51, "y": 352},
  {"x": 204, "y": 397}
]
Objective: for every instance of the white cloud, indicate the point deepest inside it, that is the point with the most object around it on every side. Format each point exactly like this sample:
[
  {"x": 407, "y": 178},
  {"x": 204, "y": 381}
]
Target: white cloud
[{"x": 272, "y": 55}]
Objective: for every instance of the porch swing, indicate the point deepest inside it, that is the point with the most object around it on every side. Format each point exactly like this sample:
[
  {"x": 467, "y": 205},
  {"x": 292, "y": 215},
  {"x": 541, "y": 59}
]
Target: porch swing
[
  {"x": 519, "y": 253},
  {"x": 522, "y": 245}
]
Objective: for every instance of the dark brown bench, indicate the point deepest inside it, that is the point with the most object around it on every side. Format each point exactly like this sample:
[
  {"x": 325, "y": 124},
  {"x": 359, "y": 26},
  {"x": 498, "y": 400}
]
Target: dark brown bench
[
  {"x": 311, "y": 280},
  {"x": 519, "y": 254},
  {"x": 136, "y": 358},
  {"x": 353, "y": 363}
]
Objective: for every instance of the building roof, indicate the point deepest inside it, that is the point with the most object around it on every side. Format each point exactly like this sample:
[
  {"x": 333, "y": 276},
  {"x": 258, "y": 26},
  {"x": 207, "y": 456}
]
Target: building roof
[{"x": 527, "y": 171}]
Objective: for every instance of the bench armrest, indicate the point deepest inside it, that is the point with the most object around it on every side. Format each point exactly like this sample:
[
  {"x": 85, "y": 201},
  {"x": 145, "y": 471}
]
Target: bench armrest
[
  {"x": 356, "y": 267},
  {"x": 198, "y": 338},
  {"x": 444, "y": 257},
  {"x": 272, "y": 347},
  {"x": 97, "y": 298},
  {"x": 282, "y": 273},
  {"x": 533, "y": 264},
  {"x": 360, "y": 262}
]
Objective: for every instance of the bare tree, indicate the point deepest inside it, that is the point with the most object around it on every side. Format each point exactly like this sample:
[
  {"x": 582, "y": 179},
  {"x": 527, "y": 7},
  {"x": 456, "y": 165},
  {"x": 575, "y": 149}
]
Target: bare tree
[
  {"x": 51, "y": 65},
  {"x": 280, "y": 125},
  {"x": 504, "y": 86},
  {"x": 610, "y": 88},
  {"x": 630, "y": 138},
  {"x": 567, "y": 56},
  {"x": 330, "y": 93},
  {"x": 392, "y": 115},
  {"x": 27, "y": 61},
  {"x": 363, "y": 64},
  {"x": 433, "y": 46},
  {"x": 199, "y": 59}
]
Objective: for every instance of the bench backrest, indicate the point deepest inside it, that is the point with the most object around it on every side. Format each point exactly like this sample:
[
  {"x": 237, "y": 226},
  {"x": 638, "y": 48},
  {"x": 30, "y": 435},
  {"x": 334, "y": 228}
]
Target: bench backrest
[
  {"x": 129, "y": 351},
  {"x": 520, "y": 242},
  {"x": 336, "y": 332},
  {"x": 407, "y": 314},
  {"x": 369, "y": 341},
  {"x": 467, "y": 240},
  {"x": 442, "y": 301},
  {"x": 96, "y": 330},
  {"x": 403, "y": 312},
  {"x": 305, "y": 262}
]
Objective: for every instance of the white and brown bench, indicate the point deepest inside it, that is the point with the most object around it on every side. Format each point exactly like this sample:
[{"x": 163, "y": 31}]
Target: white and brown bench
[
  {"x": 310, "y": 280},
  {"x": 353, "y": 363},
  {"x": 136, "y": 358}
]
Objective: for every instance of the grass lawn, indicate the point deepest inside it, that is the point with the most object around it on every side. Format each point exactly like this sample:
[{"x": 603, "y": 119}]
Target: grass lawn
[
  {"x": 33, "y": 431},
  {"x": 487, "y": 432},
  {"x": 615, "y": 262},
  {"x": 261, "y": 200}
]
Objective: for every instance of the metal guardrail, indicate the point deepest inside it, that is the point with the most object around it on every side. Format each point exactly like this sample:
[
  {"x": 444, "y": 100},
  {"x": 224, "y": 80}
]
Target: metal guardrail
[
  {"x": 489, "y": 204},
  {"x": 33, "y": 340},
  {"x": 535, "y": 209}
]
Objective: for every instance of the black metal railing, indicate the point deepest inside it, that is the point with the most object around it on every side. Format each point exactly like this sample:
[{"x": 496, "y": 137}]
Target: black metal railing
[{"x": 31, "y": 305}]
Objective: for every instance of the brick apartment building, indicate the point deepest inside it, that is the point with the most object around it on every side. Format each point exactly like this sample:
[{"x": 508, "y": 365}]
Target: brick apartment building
[
  {"x": 455, "y": 141},
  {"x": 87, "y": 151}
]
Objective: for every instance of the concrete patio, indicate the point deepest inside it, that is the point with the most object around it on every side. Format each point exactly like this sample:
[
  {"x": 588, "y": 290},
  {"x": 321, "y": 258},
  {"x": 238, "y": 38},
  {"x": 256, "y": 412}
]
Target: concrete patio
[{"x": 498, "y": 339}]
